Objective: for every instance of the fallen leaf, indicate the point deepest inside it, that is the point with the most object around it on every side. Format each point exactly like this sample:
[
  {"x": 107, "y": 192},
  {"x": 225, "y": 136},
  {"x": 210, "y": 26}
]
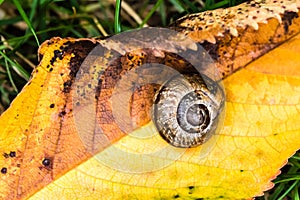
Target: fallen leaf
[
  {"x": 43, "y": 157},
  {"x": 260, "y": 132}
]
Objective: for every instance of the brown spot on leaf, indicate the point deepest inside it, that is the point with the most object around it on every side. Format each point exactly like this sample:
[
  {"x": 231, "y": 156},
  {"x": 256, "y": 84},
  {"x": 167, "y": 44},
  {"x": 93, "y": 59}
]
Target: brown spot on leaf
[
  {"x": 4, "y": 170},
  {"x": 12, "y": 154}
]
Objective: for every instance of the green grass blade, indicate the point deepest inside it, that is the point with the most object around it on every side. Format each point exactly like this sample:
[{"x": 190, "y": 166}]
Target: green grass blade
[
  {"x": 216, "y": 5},
  {"x": 296, "y": 195},
  {"x": 18, "y": 68},
  {"x": 153, "y": 9},
  {"x": 10, "y": 20},
  {"x": 288, "y": 190},
  {"x": 9, "y": 74},
  {"x": 162, "y": 11},
  {"x": 177, "y": 5},
  {"x": 24, "y": 16},
  {"x": 191, "y": 6},
  {"x": 279, "y": 188},
  {"x": 117, "y": 23},
  {"x": 33, "y": 7},
  {"x": 296, "y": 157}
]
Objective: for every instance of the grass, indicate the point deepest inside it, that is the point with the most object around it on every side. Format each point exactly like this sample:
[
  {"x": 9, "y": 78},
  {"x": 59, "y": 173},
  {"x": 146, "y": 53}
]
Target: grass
[{"x": 25, "y": 24}]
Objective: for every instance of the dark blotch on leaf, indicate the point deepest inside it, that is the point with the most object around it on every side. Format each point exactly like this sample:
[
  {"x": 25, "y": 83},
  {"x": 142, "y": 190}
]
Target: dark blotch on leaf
[
  {"x": 5, "y": 155},
  {"x": 12, "y": 154},
  {"x": 4, "y": 170},
  {"x": 67, "y": 86},
  {"x": 58, "y": 54},
  {"x": 62, "y": 113},
  {"x": 46, "y": 162},
  {"x": 130, "y": 57},
  {"x": 191, "y": 189},
  {"x": 287, "y": 20},
  {"x": 80, "y": 49}
]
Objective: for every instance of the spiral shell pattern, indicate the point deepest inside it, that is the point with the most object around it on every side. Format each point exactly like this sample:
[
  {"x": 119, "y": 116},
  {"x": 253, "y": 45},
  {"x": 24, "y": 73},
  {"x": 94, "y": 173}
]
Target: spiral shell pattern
[{"x": 187, "y": 109}]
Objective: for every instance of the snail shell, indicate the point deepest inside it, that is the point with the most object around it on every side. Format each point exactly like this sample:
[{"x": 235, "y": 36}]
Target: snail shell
[{"x": 187, "y": 109}]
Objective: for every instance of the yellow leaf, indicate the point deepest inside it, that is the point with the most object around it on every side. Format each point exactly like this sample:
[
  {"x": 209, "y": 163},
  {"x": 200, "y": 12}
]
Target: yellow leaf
[
  {"x": 261, "y": 131},
  {"x": 44, "y": 158}
]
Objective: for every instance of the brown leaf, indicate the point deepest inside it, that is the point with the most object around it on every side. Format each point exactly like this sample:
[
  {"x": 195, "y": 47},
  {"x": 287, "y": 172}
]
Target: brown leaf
[{"x": 42, "y": 154}]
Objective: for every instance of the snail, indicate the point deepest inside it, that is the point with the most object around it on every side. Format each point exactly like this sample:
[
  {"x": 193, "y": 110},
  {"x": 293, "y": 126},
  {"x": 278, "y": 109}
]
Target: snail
[
  {"x": 187, "y": 110},
  {"x": 188, "y": 101}
]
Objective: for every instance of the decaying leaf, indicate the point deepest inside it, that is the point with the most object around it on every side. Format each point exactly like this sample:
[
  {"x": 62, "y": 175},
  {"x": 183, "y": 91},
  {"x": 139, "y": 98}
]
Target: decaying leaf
[
  {"x": 42, "y": 156},
  {"x": 236, "y": 36}
]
